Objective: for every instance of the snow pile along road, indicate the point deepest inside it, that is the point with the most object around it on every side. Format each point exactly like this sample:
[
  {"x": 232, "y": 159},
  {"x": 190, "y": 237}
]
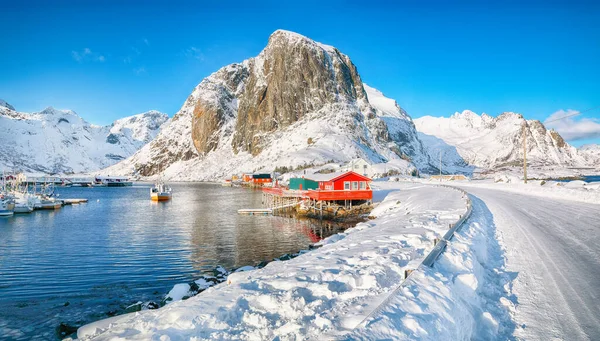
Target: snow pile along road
[
  {"x": 466, "y": 295},
  {"x": 322, "y": 293},
  {"x": 575, "y": 190}
]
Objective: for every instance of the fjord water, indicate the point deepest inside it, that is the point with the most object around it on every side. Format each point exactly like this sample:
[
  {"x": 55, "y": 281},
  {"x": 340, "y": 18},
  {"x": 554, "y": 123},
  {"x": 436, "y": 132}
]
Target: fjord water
[{"x": 85, "y": 262}]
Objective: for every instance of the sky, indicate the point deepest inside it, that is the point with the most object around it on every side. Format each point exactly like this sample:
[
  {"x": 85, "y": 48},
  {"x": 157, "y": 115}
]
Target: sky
[{"x": 107, "y": 60}]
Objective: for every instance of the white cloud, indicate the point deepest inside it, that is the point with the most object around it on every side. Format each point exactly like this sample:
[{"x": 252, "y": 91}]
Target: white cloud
[
  {"x": 573, "y": 128},
  {"x": 146, "y": 42},
  {"x": 194, "y": 52},
  {"x": 87, "y": 55},
  {"x": 140, "y": 70}
]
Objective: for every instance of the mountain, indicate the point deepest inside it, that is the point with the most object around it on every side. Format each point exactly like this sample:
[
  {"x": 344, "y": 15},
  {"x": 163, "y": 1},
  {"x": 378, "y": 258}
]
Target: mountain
[
  {"x": 591, "y": 152},
  {"x": 494, "y": 142},
  {"x": 298, "y": 103},
  {"x": 6, "y": 105},
  {"x": 60, "y": 141}
]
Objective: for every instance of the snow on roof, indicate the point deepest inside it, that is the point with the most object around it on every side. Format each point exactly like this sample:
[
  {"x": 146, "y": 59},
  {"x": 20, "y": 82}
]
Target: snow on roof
[{"x": 327, "y": 177}]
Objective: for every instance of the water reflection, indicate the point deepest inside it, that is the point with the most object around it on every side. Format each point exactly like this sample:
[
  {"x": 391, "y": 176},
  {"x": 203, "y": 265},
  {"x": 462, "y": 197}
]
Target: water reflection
[{"x": 75, "y": 264}]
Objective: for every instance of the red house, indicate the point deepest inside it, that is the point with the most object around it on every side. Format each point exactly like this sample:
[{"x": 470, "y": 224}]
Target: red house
[{"x": 341, "y": 186}]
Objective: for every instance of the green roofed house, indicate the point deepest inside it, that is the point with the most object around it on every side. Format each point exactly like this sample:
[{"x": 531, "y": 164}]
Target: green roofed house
[{"x": 303, "y": 184}]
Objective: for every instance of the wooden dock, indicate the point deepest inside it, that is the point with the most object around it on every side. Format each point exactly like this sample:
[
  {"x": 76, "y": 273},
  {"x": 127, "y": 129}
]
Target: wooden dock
[
  {"x": 73, "y": 201},
  {"x": 255, "y": 211}
]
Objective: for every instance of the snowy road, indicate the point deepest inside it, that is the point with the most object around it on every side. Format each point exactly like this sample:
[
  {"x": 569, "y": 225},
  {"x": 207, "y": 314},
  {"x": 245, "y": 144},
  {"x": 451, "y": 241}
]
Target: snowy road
[{"x": 553, "y": 249}]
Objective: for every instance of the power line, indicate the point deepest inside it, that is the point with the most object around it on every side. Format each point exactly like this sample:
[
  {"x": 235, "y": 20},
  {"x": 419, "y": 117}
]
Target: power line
[{"x": 571, "y": 115}]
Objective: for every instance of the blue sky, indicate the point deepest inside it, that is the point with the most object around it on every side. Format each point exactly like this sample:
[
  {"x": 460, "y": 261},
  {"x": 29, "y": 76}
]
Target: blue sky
[{"x": 105, "y": 60}]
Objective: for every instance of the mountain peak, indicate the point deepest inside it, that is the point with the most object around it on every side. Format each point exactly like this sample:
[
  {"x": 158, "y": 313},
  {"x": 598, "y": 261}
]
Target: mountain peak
[
  {"x": 292, "y": 38},
  {"x": 3, "y": 103},
  {"x": 53, "y": 111}
]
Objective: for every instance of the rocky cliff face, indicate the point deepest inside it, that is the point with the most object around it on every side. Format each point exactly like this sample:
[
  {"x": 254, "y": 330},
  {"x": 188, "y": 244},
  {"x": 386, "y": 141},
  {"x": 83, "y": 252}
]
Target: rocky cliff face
[
  {"x": 297, "y": 103},
  {"x": 493, "y": 142},
  {"x": 60, "y": 141},
  {"x": 293, "y": 76}
]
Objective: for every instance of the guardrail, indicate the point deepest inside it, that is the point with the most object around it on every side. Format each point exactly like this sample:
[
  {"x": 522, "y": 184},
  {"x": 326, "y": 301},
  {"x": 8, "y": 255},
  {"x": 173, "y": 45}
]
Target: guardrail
[
  {"x": 430, "y": 258},
  {"x": 441, "y": 245}
]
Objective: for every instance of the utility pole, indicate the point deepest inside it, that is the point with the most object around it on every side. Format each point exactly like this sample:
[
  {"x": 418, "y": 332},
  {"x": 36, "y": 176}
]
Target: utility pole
[{"x": 524, "y": 151}]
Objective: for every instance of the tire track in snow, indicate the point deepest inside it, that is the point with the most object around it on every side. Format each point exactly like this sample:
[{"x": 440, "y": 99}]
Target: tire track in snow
[{"x": 557, "y": 259}]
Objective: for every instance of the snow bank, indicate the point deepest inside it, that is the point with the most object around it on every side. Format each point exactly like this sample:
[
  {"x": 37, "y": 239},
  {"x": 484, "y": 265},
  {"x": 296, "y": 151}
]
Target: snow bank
[
  {"x": 324, "y": 293},
  {"x": 574, "y": 190},
  {"x": 466, "y": 295}
]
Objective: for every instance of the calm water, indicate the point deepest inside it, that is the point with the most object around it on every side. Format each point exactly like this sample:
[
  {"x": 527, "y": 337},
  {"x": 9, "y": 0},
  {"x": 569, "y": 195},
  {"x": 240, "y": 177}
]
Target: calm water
[
  {"x": 589, "y": 178},
  {"x": 76, "y": 264}
]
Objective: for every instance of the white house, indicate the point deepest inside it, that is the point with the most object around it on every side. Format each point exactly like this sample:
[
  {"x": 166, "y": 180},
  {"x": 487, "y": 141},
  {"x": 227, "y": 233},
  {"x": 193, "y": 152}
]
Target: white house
[{"x": 359, "y": 166}]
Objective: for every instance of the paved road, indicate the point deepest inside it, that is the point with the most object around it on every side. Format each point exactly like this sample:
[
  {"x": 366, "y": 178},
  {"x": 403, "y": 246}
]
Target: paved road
[{"x": 554, "y": 246}]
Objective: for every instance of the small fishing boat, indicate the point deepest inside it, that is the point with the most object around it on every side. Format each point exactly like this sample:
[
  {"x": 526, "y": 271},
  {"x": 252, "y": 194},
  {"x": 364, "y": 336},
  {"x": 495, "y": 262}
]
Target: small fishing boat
[
  {"x": 49, "y": 203},
  {"x": 161, "y": 192},
  {"x": 24, "y": 203},
  {"x": 226, "y": 183},
  {"x": 6, "y": 207}
]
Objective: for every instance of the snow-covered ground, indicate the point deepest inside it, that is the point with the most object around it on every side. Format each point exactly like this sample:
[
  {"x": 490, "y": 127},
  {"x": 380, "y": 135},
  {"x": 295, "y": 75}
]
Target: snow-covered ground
[
  {"x": 552, "y": 249},
  {"x": 324, "y": 293},
  {"x": 466, "y": 295}
]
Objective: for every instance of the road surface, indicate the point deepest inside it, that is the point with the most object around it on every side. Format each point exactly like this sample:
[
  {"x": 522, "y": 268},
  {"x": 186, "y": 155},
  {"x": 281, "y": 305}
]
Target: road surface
[{"x": 553, "y": 246}]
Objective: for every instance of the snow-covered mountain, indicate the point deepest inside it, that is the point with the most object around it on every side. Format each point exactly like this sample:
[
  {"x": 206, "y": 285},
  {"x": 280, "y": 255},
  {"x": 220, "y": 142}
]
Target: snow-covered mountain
[
  {"x": 60, "y": 141},
  {"x": 493, "y": 142},
  {"x": 591, "y": 152},
  {"x": 298, "y": 103}
]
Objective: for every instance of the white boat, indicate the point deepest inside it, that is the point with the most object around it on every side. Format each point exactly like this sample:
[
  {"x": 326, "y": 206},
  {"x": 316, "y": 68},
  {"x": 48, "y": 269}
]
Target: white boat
[
  {"x": 24, "y": 203},
  {"x": 161, "y": 192},
  {"x": 49, "y": 203},
  {"x": 112, "y": 181},
  {"x": 226, "y": 183},
  {"x": 6, "y": 207}
]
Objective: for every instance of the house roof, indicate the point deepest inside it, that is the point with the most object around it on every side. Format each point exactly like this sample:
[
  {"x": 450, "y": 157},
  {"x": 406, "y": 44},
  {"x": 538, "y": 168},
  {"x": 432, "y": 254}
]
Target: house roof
[{"x": 333, "y": 176}]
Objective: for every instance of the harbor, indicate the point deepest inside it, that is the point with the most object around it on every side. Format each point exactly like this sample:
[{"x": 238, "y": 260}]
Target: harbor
[{"x": 88, "y": 261}]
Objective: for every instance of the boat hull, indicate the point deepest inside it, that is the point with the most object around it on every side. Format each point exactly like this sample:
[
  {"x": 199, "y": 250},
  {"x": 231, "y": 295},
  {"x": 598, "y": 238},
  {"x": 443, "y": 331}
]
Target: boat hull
[
  {"x": 5, "y": 213},
  {"x": 119, "y": 184},
  {"x": 50, "y": 206},
  {"x": 160, "y": 196},
  {"x": 23, "y": 209}
]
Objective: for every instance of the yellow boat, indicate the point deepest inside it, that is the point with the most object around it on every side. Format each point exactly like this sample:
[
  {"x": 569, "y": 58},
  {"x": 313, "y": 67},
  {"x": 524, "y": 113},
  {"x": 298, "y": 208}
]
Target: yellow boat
[{"x": 161, "y": 192}]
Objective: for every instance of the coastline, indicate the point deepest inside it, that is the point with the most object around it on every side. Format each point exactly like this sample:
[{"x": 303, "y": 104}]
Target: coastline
[{"x": 407, "y": 222}]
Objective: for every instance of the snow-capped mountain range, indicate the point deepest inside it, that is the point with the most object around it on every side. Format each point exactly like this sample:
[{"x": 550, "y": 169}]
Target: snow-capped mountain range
[
  {"x": 59, "y": 141},
  {"x": 591, "y": 152},
  {"x": 297, "y": 103},
  {"x": 494, "y": 142}
]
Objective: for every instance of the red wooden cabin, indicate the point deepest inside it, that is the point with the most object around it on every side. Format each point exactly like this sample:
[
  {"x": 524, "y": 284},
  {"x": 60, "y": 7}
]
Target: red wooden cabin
[{"x": 341, "y": 186}]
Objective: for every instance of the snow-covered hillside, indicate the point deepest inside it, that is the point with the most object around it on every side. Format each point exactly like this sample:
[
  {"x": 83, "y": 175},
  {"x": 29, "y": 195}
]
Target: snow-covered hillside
[
  {"x": 591, "y": 152},
  {"x": 494, "y": 142},
  {"x": 60, "y": 141},
  {"x": 298, "y": 103}
]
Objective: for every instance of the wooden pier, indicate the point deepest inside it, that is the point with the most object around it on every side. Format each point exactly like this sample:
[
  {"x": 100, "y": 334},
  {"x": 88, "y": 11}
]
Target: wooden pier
[
  {"x": 73, "y": 201},
  {"x": 255, "y": 211}
]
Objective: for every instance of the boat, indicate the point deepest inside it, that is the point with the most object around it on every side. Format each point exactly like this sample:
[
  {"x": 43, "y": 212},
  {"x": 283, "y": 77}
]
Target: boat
[
  {"x": 24, "y": 203},
  {"x": 226, "y": 183},
  {"x": 48, "y": 203},
  {"x": 6, "y": 207},
  {"x": 112, "y": 181},
  {"x": 161, "y": 192}
]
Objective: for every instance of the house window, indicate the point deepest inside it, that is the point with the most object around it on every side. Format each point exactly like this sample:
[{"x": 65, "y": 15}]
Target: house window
[
  {"x": 354, "y": 184},
  {"x": 363, "y": 185},
  {"x": 346, "y": 185}
]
